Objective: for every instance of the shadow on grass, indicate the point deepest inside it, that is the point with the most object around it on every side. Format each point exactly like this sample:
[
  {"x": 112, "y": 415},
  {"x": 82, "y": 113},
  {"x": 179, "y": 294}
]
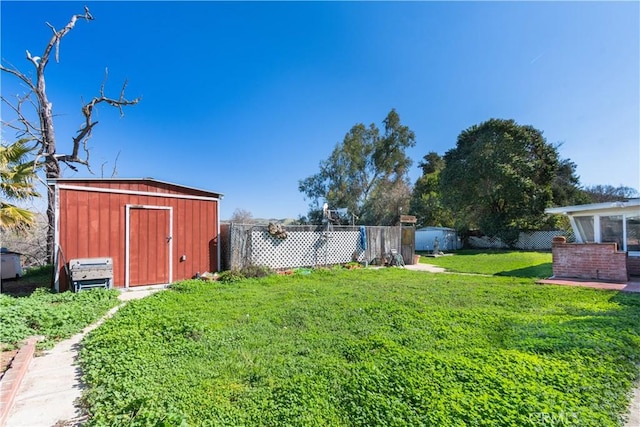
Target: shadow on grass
[{"x": 535, "y": 271}]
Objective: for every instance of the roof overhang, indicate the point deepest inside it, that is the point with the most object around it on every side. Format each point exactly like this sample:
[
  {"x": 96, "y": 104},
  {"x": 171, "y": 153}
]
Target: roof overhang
[
  {"x": 58, "y": 181},
  {"x": 595, "y": 207}
]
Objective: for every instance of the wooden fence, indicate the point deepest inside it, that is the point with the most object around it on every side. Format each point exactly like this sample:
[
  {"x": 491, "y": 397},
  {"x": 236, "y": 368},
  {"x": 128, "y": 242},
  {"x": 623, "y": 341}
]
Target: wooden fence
[{"x": 311, "y": 246}]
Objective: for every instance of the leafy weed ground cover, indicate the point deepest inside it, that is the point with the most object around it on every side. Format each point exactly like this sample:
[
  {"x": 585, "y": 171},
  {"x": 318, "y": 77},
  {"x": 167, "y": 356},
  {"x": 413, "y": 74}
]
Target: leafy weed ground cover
[
  {"x": 55, "y": 316},
  {"x": 366, "y": 348}
]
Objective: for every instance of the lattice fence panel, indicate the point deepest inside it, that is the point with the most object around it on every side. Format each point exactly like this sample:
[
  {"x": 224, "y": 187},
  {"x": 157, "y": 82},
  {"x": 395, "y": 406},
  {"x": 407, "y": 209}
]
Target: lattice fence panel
[
  {"x": 305, "y": 248},
  {"x": 539, "y": 240},
  {"x": 535, "y": 240},
  {"x": 486, "y": 242}
]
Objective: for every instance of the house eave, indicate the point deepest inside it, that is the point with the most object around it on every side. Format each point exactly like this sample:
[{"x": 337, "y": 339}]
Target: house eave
[{"x": 569, "y": 210}]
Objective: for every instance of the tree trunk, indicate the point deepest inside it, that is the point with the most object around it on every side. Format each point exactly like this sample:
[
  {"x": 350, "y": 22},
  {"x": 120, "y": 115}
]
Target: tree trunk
[
  {"x": 52, "y": 167},
  {"x": 51, "y": 219}
]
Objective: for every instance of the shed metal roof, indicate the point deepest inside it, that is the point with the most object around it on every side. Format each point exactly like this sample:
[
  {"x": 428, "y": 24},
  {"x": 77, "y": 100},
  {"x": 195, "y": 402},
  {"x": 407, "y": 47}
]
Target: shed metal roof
[{"x": 149, "y": 180}]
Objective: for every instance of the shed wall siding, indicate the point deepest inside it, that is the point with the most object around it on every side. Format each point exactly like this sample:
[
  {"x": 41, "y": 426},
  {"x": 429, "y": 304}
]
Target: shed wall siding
[{"x": 92, "y": 224}]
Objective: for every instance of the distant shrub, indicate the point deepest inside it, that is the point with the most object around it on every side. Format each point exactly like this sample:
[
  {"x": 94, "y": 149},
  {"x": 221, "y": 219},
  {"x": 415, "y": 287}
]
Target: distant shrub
[
  {"x": 246, "y": 272},
  {"x": 231, "y": 276},
  {"x": 251, "y": 271}
]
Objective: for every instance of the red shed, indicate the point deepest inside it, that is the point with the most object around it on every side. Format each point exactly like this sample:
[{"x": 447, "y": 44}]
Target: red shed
[{"x": 155, "y": 232}]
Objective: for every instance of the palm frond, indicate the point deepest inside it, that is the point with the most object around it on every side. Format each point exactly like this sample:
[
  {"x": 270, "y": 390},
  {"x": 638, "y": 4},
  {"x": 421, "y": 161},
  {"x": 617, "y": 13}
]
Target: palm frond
[
  {"x": 17, "y": 182},
  {"x": 15, "y": 218}
]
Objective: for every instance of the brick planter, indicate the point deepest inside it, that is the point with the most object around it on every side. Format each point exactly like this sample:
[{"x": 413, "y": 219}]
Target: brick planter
[
  {"x": 633, "y": 266},
  {"x": 592, "y": 261}
]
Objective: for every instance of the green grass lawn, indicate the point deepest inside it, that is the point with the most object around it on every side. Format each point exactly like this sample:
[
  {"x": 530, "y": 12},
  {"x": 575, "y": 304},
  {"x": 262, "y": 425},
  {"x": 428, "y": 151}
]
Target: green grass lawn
[
  {"x": 500, "y": 263},
  {"x": 386, "y": 347}
]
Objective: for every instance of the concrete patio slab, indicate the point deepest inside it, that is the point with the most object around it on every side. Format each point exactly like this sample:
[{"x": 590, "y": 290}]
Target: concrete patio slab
[{"x": 632, "y": 286}]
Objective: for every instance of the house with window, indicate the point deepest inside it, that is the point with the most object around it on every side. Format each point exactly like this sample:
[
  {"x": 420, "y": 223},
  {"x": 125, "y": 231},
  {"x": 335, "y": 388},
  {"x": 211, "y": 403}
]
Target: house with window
[{"x": 607, "y": 242}]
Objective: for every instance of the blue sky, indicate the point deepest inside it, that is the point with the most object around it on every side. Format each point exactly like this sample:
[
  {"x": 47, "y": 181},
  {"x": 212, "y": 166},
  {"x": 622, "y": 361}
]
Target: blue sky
[{"x": 246, "y": 98}]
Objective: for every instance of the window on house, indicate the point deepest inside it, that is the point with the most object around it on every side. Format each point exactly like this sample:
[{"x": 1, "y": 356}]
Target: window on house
[
  {"x": 611, "y": 230},
  {"x": 585, "y": 228},
  {"x": 633, "y": 233}
]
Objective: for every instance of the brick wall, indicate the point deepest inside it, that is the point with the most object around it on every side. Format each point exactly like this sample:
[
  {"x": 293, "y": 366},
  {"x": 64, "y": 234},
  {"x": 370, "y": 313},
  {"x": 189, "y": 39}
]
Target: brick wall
[
  {"x": 594, "y": 261},
  {"x": 633, "y": 265}
]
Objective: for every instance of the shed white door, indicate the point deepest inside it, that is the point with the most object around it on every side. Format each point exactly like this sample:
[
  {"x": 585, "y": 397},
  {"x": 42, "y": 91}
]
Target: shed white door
[{"x": 149, "y": 245}]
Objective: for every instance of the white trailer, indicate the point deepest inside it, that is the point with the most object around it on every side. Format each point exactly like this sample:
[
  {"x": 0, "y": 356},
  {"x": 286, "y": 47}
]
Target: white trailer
[{"x": 448, "y": 239}]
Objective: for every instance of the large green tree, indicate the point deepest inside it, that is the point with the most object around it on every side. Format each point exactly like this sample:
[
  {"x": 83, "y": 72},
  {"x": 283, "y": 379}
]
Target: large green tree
[
  {"x": 17, "y": 183},
  {"x": 499, "y": 178},
  {"x": 566, "y": 186},
  {"x": 363, "y": 172},
  {"x": 426, "y": 199}
]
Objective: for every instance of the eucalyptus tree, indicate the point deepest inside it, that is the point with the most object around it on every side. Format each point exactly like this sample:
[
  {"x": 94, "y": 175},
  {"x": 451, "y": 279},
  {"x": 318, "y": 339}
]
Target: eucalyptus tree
[{"x": 366, "y": 165}]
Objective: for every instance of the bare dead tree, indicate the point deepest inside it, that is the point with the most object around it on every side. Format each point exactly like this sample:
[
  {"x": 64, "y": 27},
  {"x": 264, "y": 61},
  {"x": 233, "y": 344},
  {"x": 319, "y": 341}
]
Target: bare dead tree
[
  {"x": 114, "y": 171},
  {"x": 41, "y": 131},
  {"x": 242, "y": 216}
]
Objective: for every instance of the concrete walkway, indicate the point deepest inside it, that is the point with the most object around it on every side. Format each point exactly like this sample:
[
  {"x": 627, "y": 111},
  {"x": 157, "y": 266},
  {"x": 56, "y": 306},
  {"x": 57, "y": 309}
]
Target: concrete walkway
[
  {"x": 425, "y": 267},
  {"x": 48, "y": 393},
  {"x": 632, "y": 286}
]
